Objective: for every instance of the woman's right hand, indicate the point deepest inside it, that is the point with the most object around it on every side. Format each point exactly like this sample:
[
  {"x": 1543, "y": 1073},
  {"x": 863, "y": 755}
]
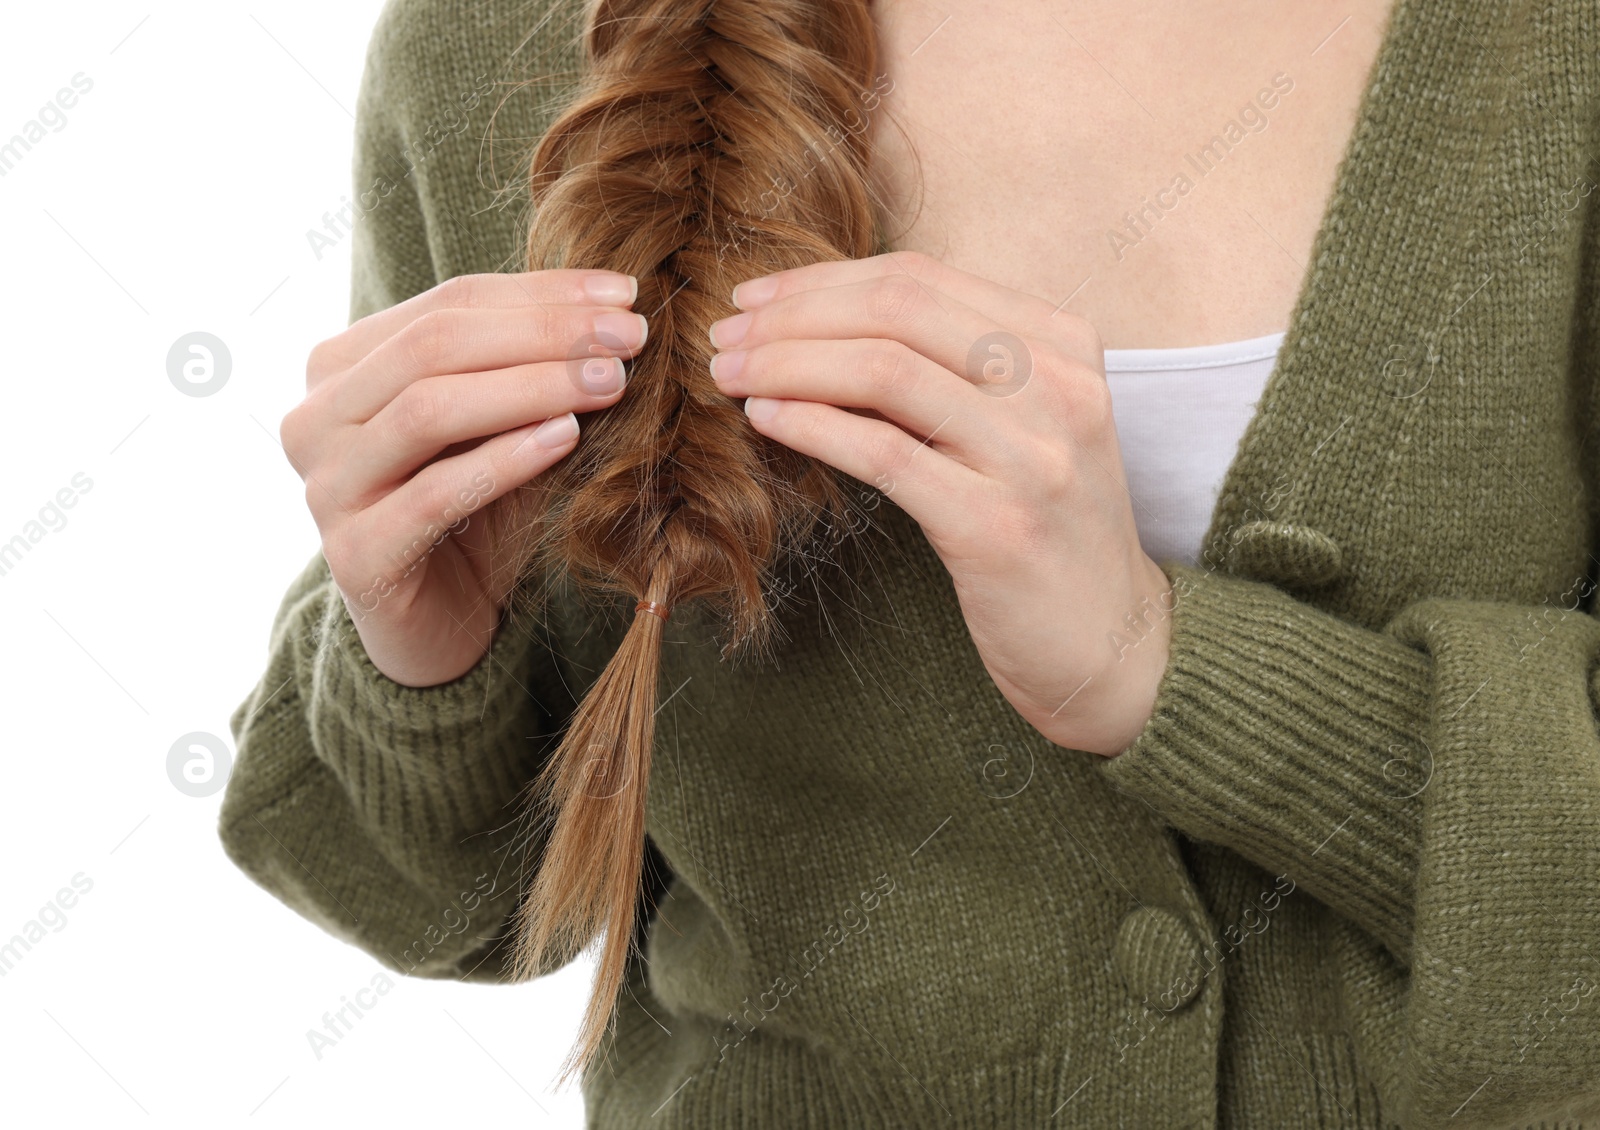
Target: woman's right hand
[{"x": 422, "y": 414}]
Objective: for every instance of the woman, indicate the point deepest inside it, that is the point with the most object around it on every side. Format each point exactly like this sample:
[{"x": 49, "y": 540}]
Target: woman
[{"x": 1141, "y": 741}]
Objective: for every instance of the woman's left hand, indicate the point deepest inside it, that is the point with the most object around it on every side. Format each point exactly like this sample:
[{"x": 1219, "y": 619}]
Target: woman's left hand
[{"x": 984, "y": 414}]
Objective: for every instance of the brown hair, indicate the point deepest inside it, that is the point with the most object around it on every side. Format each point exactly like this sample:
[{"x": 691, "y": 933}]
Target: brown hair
[{"x": 706, "y": 143}]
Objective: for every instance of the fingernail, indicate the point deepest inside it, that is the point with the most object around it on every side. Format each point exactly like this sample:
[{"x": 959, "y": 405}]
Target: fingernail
[
  {"x": 611, "y": 289},
  {"x": 556, "y": 431},
  {"x": 727, "y": 366},
  {"x": 729, "y": 332},
  {"x": 760, "y": 408},
  {"x": 629, "y": 329},
  {"x": 602, "y": 376},
  {"x": 754, "y": 292}
]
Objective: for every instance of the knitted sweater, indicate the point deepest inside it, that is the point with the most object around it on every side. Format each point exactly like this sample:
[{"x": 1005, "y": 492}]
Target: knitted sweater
[{"x": 1349, "y": 873}]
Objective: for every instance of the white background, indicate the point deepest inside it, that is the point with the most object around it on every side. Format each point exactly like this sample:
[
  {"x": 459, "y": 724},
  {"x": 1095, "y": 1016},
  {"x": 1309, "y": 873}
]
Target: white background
[{"x": 176, "y": 198}]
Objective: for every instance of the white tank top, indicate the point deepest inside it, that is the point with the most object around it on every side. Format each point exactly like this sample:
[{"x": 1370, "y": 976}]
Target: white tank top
[{"x": 1180, "y": 414}]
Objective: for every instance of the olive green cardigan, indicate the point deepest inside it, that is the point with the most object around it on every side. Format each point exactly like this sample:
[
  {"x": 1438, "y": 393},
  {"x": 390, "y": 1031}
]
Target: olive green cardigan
[{"x": 1349, "y": 874}]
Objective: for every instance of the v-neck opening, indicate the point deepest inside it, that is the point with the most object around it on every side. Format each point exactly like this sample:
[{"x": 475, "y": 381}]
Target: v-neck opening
[{"x": 1294, "y": 340}]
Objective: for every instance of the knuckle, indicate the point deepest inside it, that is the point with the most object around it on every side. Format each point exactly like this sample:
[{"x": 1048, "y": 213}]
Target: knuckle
[
  {"x": 1054, "y": 476},
  {"x": 888, "y": 367},
  {"x": 1090, "y": 338},
  {"x": 883, "y": 453},
  {"x": 917, "y": 263},
  {"x": 429, "y": 339},
  {"x": 323, "y": 360},
  {"x": 292, "y": 430},
  {"x": 551, "y": 334},
  {"x": 1078, "y": 332},
  {"x": 895, "y": 300},
  {"x": 414, "y": 415},
  {"x": 561, "y": 337},
  {"x": 314, "y": 498},
  {"x": 534, "y": 386},
  {"x": 337, "y": 552},
  {"x": 1090, "y": 403},
  {"x": 1075, "y": 393},
  {"x": 461, "y": 290}
]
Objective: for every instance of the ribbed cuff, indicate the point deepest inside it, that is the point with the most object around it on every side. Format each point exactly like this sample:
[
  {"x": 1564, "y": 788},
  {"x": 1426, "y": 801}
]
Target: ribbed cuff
[
  {"x": 1294, "y": 738},
  {"x": 452, "y": 756}
]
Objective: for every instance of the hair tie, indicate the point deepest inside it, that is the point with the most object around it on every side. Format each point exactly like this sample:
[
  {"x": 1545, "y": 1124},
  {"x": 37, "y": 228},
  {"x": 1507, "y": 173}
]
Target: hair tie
[{"x": 655, "y": 608}]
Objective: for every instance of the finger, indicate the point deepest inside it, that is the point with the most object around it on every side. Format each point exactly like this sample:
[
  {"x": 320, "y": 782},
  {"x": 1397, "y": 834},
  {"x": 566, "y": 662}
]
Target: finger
[
  {"x": 895, "y": 307},
  {"x": 929, "y": 486},
  {"x": 392, "y": 532},
  {"x": 431, "y": 415},
  {"x": 462, "y": 341},
  {"x": 480, "y": 291},
  {"x": 1000, "y": 303},
  {"x": 927, "y": 401}
]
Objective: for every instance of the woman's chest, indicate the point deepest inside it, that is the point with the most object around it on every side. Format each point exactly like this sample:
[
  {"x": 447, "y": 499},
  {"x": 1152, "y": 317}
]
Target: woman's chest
[{"x": 1160, "y": 171}]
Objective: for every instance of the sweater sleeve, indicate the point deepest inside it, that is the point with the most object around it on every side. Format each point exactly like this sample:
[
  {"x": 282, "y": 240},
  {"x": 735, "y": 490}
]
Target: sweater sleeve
[
  {"x": 387, "y": 814},
  {"x": 384, "y": 813},
  {"x": 1436, "y": 783}
]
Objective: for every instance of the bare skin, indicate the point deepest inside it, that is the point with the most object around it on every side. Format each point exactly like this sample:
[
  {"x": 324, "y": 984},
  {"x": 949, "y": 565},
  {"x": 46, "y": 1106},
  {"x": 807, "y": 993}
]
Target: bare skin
[
  {"x": 424, "y": 413},
  {"x": 1039, "y": 127}
]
